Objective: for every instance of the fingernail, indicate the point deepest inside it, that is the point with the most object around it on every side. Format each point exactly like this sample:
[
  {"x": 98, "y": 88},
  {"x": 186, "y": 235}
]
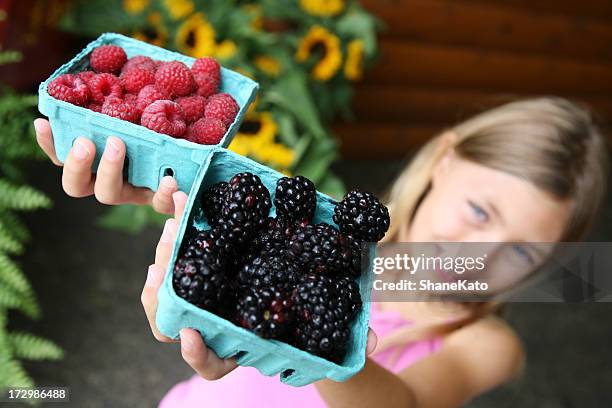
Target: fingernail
[
  {"x": 154, "y": 276},
  {"x": 37, "y": 126},
  {"x": 112, "y": 150},
  {"x": 80, "y": 151},
  {"x": 186, "y": 341},
  {"x": 168, "y": 185},
  {"x": 166, "y": 235}
]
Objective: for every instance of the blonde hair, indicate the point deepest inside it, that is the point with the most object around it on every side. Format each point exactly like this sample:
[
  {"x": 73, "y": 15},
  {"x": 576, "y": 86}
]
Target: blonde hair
[{"x": 549, "y": 142}]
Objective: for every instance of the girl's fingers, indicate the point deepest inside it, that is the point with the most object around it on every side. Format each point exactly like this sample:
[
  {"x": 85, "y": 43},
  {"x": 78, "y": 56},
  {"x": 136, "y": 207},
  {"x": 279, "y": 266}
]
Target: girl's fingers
[
  {"x": 371, "y": 342},
  {"x": 155, "y": 277},
  {"x": 164, "y": 246},
  {"x": 180, "y": 200},
  {"x": 203, "y": 360},
  {"x": 44, "y": 137},
  {"x": 109, "y": 178},
  {"x": 162, "y": 201},
  {"x": 77, "y": 178}
]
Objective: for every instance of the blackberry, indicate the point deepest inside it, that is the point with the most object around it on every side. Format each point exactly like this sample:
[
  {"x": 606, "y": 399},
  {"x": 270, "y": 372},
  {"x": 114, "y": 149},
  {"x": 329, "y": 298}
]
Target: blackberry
[
  {"x": 272, "y": 240},
  {"x": 361, "y": 214},
  {"x": 295, "y": 199},
  {"x": 356, "y": 249},
  {"x": 271, "y": 270},
  {"x": 212, "y": 202},
  {"x": 324, "y": 310},
  {"x": 214, "y": 239},
  {"x": 267, "y": 311},
  {"x": 246, "y": 205},
  {"x": 203, "y": 282},
  {"x": 319, "y": 248}
]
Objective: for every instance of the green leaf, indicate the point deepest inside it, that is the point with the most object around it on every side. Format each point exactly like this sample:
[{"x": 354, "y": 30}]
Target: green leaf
[
  {"x": 12, "y": 276},
  {"x": 12, "y": 374},
  {"x": 22, "y": 198},
  {"x": 8, "y": 242},
  {"x": 316, "y": 160},
  {"x": 30, "y": 347},
  {"x": 291, "y": 94}
]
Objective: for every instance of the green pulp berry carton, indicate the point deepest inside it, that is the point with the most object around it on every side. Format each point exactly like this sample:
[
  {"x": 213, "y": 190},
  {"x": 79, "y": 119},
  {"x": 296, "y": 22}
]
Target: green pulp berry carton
[
  {"x": 150, "y": 155},
  {"x": 270, "y": 357}
]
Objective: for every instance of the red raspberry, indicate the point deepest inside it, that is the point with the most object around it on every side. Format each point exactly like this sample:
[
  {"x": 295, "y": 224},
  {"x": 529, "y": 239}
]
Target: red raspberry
[
  {"x": 164, "y": 117},
  {"x": 103, "y": 85},
  {"x": 86, "y": 76},
  {"x": 223, "y": 107},
  {"x": 107, "y": 58},
  {"x": 206, "y": 131},
  {"x": 95, "y": 107},
  {"x": 174, "y": 79},
  {"x": 120, "y": 108},
  {"x": 148, "y": 95},
  {"x": 206, "y": 85},
  {"x": 69, "y": 88},
  {"x": 135, "y": 79},
  {"x": 208, "y": 66},
  {"x": 133, "y": 99},
  {"x": 139, "y": 61},
  {"x": 193, "y": 107}
]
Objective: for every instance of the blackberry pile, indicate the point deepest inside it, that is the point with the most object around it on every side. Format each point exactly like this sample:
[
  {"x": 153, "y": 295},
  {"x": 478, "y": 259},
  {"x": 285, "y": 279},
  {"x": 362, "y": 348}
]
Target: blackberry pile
[{"x": 285, "y": 277}]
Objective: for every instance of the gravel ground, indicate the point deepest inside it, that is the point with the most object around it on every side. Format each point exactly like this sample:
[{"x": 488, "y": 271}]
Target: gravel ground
[{"x": 89, "y": 280}]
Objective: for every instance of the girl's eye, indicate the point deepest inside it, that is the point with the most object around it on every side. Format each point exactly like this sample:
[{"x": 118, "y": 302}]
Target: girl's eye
[
  {"x": 480, "y": 214},
  {"x": 523, "y": 253}
]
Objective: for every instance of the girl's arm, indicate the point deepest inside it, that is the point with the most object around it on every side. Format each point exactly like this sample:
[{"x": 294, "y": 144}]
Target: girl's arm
[{"x": 472, "y": 360}]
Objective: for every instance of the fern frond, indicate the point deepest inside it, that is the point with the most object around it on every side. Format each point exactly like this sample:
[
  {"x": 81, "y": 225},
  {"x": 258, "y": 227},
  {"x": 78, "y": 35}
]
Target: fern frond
[
  {"x": 12, "y": 374},
  {"x": 10, "y": 299},
  {"x": 12, "y": 275},
  {"x": 30, "y": 347},
  {"x": 23, "y": 198},
  {"x": 15, "y": 226},
  {"x": 8, "y": 243}
]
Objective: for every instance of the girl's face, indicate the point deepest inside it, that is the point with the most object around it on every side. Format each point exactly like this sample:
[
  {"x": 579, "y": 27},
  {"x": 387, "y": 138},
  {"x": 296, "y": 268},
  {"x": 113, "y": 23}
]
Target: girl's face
[{"x": 469, "y": 202}]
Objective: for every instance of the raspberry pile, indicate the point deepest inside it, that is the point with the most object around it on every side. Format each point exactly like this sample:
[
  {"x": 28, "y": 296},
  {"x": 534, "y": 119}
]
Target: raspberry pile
[
  {"x": 165, "y": 96},
  {"x": 286, "y": 277}
]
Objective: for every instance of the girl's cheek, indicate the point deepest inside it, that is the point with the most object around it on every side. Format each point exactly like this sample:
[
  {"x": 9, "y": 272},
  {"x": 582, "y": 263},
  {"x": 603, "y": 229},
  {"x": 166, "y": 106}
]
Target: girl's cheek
[{"x": 448, "y": 221}]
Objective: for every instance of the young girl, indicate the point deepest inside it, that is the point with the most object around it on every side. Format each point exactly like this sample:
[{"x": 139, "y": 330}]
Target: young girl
[{"x": 529, "y": 171}]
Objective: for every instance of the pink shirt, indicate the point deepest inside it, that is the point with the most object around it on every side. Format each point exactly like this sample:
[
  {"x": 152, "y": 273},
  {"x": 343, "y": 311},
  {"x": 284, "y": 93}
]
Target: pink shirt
[{"x": 246, "y": 387}]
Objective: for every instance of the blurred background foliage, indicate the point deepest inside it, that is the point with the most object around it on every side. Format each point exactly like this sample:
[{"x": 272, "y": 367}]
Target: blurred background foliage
[
  {"x": 305, "y": 54},
  {"x": 17, "y": 146}
]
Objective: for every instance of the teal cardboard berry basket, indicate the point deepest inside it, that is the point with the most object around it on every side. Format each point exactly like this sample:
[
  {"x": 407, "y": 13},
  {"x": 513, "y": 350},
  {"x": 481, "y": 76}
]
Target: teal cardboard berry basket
[
  {"x": 270, "y": 357},
  {"x": 150, "y": 155}
]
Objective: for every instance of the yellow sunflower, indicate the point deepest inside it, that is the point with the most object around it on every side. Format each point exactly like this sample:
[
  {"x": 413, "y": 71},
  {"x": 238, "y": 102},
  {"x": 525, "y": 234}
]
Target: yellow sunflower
[
  {"x": 156, "y": 33},
  {"x": 226, "y": 49},
  {"x": 353, "y": 68},
  {"x": 320, "y": 40},
  {"x": 322, "y": 8},
  {"x": 179, "y": 8},
  {"x": 196, "y": 36},
  {"x": 135, "y": 6},
  {"x": 268, "y": 65},
  {"x": 256, "y": 139}
]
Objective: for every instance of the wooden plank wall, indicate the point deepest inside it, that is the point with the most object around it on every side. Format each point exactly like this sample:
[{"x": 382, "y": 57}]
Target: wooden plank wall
[{"x": 443, "y": 60}]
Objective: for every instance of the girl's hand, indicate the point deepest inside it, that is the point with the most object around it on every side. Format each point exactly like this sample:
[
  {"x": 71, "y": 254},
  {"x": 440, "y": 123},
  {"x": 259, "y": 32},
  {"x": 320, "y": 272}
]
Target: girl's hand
[
  {"x": 202, "y": 359},
  {"x": 107, "y": 184}
]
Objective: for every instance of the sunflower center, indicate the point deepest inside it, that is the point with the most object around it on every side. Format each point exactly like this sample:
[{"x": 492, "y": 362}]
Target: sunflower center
[
  {"x": 250, "y": 127},
  {"x": 319, "y": 49},
  {"x": 191, "y": 38},
  {"x": 150, "y": 33}
]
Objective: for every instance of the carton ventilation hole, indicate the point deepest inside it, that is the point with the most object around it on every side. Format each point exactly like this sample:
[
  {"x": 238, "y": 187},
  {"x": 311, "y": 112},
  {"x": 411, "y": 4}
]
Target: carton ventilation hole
[
  {"x": 168, "y": 171},
  {"x": 240, "y": 354},
  {"x": 287, "y": 373}
]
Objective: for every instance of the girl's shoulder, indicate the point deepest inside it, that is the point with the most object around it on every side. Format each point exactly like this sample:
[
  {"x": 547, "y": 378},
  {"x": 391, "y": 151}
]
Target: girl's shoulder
[{"x": 494, "y": 338}]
